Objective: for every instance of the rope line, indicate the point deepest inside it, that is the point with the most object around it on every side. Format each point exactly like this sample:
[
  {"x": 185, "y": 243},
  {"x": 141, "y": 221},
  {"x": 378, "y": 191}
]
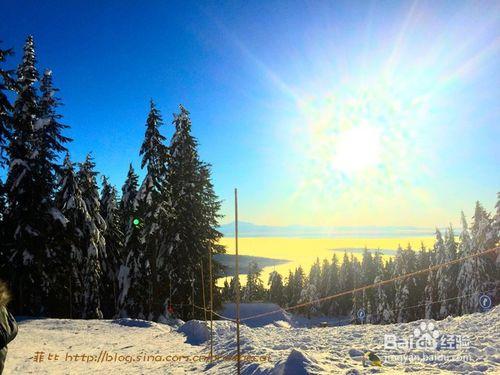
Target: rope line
[
  {"x": 347, "y": 320},
  {"x": 374, "y": 285}
]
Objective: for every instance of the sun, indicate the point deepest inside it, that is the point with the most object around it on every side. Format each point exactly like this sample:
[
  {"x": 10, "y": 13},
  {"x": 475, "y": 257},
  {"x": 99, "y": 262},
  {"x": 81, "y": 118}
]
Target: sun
[
  {"x": 360, "y": 140},
  {"x": 357, "y": 149}
]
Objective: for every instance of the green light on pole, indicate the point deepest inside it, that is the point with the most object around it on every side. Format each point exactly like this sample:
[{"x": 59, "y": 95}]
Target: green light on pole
[{"x": 136, "y": 222}]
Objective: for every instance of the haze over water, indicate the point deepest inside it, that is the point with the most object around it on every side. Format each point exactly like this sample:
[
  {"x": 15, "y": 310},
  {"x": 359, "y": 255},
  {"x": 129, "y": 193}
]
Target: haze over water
[{"x": 304, "y": 251}]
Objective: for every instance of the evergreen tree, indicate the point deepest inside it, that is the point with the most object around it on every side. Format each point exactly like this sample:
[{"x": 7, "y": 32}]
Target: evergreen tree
[
  {"x": 469, "y": 280},
  {"x": 383, "y": 311},
  {"x": 446, "y": 276},
  {"x": 22, "y": 217},
  {"x": 191, "y": 210},
  {"x": 310, "y": 296},
  {"x": 149, "y": 211},
  {"x": 402, "y": 287},
  {"x": 275, "y": 284},
  {"x": 333, "y": 286},
  {"x": 477, "y": 274},
  {"x": 71, "y": 251},
  {"x": 368, "y": 274},
  {"x": 289, "y": 290},
  {"x": 6, "y": 84},
  {"x": 315, "y": 275},
  {"x": 324, "y": 285},
  {"x": 94, "y": 244},
  {"x": 128, "y": 201},
  {"x": 496, "y": 236},
  {"x": 299, "y": 278},
  {"x": 346, "y": 282},
  {"x": 430, "y": 292},
  {"x": 234, "y": 285},
  {"x": 133, "y": 275},
  {"x": 423, "y": 263},
  {"x": 114, "y": 247},
  {"x": 254, "y": 289},
  {"x": 48, "y": 144}
]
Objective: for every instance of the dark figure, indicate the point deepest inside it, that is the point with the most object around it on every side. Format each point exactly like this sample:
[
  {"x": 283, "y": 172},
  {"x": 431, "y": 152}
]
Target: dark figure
[{"x": 8, "y": 325}]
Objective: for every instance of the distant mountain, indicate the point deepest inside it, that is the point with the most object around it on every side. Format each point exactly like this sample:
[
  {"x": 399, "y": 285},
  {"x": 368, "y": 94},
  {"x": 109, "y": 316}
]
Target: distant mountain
[{"x": 246, "y": 229}]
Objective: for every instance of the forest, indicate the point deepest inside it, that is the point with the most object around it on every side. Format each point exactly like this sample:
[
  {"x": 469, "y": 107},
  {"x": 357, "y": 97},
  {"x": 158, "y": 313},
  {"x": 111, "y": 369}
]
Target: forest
[
  {"x": 69, "y": 248},
  {"x": 72, "y": 246}
]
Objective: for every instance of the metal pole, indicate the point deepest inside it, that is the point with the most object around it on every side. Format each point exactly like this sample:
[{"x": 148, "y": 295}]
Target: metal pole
[
  {"x": 203, "y": 293},
  {"x": 211, "y": 303},
  {"x": 237, "y": 281},
  {"x": 192, "y": 296}
]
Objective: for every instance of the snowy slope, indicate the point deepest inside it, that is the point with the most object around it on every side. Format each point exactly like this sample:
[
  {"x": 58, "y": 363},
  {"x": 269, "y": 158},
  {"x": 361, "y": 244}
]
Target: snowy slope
[{"x": 331, "y": 350}]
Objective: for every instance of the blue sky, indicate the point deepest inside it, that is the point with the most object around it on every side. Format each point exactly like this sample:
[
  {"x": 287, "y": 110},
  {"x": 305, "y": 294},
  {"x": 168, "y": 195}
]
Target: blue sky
[{"x": 321, "y": 113}]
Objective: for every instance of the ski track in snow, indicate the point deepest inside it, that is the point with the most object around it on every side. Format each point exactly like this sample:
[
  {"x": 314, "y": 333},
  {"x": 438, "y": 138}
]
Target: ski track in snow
[{"x": 292, "y": 350}]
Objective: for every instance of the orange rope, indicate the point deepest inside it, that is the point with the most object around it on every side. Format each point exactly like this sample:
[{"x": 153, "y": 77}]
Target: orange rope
[{"x": 359, "y": 289}]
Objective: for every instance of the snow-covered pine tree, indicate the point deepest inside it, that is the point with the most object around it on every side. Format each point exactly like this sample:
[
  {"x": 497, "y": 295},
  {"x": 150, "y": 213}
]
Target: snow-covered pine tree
[
  {"x": 114, "y": 248},
  {"x": 368, "y": 274},
  {"x": 298, "y": 284},
  {"x": 496, "y": 235},
  {"x": 48, "y": 144},
  {"x": 430, "y": 291},
  {"x": 128, "y": 201},
  {"x": 402, "y": 287},
  {"x": 346, "y": 282},
  {"x": 324, "y": 285},
  {"x": 133, "y": 275},
  {"x": 476, "y": 275},
  {"x": 150, "y": 206},
  {"x": 383, "y": 310},
  {"x": 289, "y": 289},
  {"x": 22, "y": 218},
  {"x": 421, "y": 280},
  {"x": 446, "y": 277},
  {"x": 234, "y": 285},
  {"x": 310, "y": 296},
  {"x": 357, "y": 297},
  {"x": 473, "y": 271},
  {"x": 6, "y": 84},
  {"x": 333, "y": 286},
  {"x": 315, "y": 275},
  {"x": 254, "y": 288},
  {"x": 192, "y": 212},
  {"x": 275, "y": 284},
  {"x": 71, "y": 250},
  {"x": 94, "y": 242}
]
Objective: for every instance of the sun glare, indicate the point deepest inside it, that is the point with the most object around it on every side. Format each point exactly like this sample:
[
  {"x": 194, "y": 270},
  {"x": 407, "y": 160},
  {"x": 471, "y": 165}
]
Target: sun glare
[{"x": 357, "y": 149}]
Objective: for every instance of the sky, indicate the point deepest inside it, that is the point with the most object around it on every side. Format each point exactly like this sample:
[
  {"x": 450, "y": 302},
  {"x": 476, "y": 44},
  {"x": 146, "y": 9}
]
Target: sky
[{"x": 337, "y": 113}]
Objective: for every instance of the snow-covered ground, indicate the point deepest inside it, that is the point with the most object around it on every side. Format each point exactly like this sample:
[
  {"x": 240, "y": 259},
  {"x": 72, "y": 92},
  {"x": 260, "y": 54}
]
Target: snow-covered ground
[{"x": 284, "y": 347}]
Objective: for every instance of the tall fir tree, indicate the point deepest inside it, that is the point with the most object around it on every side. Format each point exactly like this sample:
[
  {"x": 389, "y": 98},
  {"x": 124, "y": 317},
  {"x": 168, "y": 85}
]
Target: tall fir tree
[
  {"x": 447, "y": 276},
  {"x": 476, "y": 275},
  {"x": 254, "y": 288},
  {"x": 134, "y": 272},
  {"x": 22, "y": 217},
  {"x": 114, "y": 248},
  {"x": 94, "y": 244},
  {"x": 471, "y": 272},
  {"x": 6, "y": 85},
  {"x": 402, "y": 287},
  {"x": 48, "y": 145},
  {"x": 71, "y": 251},
  {"x": 149, "y": 210},
  {"x": 192, "y": 211},
  {"x": 346, "y": 282},
  {"x": 275, "y": 284}
]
